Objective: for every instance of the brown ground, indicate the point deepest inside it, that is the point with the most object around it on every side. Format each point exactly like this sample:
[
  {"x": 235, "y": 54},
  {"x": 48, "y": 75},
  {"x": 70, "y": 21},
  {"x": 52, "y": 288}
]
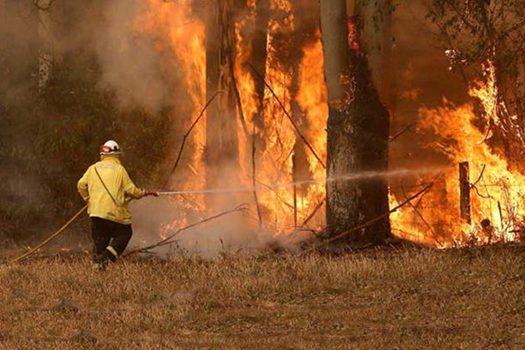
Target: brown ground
[{"x": 379, "y": 299}]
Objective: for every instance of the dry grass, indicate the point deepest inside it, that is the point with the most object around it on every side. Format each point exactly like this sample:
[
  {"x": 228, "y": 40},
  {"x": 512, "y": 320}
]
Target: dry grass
[{"x": 379, "y": 299}]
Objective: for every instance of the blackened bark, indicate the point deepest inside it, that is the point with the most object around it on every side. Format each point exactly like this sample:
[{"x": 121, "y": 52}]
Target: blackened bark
[{"x": 358, "y": 130}]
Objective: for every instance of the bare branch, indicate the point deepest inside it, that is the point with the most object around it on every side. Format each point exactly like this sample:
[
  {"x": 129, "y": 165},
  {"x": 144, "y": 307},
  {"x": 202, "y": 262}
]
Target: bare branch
[
  {"x": 294, "y": 124},
  {"x": 401, "y": 132},
  {"x": 201, "y": 114},
  {"x": 372, "y": 221},
  {"x": 168, "y": 240}
]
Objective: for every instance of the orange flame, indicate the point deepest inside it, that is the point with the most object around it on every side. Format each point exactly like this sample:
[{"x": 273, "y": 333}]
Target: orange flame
[
  {"x": 180, "y": 37},
  {"x": 497, "y": 192}
]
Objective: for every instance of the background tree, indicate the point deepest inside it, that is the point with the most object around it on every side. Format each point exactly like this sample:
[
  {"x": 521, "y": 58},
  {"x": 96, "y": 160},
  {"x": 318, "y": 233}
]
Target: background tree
[
  {"x": 222, "y": 151},
  {"x": 358, "y": 130},
  {"x": 485, "y": 39},
  {"x": 46, "y": 56},
  {"x": 258, "y": 58}
]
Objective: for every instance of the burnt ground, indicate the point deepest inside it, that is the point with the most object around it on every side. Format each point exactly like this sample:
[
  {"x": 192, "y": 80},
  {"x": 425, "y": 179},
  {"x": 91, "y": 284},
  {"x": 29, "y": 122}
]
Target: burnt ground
[{"x": 385, "y": 298}]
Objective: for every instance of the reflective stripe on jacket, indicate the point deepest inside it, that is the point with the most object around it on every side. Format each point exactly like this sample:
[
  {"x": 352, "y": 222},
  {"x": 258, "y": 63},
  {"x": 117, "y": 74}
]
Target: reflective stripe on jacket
[{"x": 118, "y": 183}]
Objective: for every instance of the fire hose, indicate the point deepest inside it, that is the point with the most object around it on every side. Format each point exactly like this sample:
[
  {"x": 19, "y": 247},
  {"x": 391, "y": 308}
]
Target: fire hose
[
  {"x": 74, "y": 217},
  {"x": 170, "y": 193},
  {"x": 366, "y": 174},
  {"x": 50, "y": 238}
]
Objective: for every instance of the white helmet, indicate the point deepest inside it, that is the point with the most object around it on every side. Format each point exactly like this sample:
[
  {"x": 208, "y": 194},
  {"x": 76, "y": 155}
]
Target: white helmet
[{"x": 110, "y": 147}]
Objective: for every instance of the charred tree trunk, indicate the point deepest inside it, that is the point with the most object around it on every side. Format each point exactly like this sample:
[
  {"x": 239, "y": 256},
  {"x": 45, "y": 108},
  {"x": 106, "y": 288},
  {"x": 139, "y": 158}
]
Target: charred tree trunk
[
  {"x": 358, "y": 129},
  {"x": 222, "y": 152}
]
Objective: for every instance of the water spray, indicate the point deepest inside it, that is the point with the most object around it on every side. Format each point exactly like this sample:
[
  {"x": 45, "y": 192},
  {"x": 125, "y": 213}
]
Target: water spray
[{"x": 348, "y": 177}]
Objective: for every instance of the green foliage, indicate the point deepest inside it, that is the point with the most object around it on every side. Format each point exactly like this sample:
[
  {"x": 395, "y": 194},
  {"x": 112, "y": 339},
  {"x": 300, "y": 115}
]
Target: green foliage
[{"x": 48, "y": 141}]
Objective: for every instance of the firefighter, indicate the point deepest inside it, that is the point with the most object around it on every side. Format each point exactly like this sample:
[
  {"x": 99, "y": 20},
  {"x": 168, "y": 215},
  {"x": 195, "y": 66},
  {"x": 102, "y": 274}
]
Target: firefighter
[{"x": 107, "y": 188}]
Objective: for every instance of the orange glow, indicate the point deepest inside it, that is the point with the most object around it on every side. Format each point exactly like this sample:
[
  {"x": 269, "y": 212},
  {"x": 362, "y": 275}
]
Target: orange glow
[
  {"x": 498, "y": 195},
  {"x": 180, "y": 38}
]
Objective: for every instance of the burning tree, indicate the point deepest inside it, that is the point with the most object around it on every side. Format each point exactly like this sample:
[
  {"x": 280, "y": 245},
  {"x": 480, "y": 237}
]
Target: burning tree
[
  {"x": 485, "y": 137},
  {"x": 358, "y": 128},
  {"x": 222, "y": 149},
  {"x": 267, "y": 60},
  {"x": 485, "y": 38}
]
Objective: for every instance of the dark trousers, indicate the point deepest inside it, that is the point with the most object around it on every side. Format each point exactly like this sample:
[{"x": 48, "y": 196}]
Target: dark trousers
[{"x": 109, "y": 239}]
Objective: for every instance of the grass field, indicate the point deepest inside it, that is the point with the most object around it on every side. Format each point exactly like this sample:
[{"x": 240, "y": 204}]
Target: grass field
[{"x": 386, "y": 298}]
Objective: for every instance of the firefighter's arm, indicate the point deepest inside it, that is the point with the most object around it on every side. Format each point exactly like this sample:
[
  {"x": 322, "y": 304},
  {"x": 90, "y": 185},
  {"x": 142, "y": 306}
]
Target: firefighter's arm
[
  {"x": 130, "y": 190},
  {"x": 82, "y": 186}
]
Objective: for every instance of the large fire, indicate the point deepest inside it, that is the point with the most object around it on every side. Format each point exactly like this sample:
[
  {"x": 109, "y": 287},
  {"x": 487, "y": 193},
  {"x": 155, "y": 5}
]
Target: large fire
[
  {"x": 435, "y": 219},
  {"x": 497, "y": 192},
  {"x": 179, "y": 33}
]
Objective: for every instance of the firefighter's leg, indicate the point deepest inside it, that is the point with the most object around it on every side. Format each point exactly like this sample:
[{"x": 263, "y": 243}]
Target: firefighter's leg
[
  {"x": 121, "y": 234},
  {"x": 101, "y": 238}
]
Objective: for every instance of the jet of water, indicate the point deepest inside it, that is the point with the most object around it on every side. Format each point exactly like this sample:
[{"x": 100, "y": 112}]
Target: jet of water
[{"x": 347, "y": 177}]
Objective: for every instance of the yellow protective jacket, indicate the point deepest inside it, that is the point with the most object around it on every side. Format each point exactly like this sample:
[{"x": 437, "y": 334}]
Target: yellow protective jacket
[{"x": 122, "y": 189}]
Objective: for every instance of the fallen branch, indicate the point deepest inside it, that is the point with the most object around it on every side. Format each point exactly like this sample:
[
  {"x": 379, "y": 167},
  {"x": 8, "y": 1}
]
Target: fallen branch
[
  {"x": 374, "y": 220},
  {"x": 406, "y": 233},
  {"x": 416, "y": 210},
  {"x": 310, "y": 217},
  {"x": 187, "y": 134},
  {"x": 308, "y": 144},
  {"x": 168, "y": 239}
]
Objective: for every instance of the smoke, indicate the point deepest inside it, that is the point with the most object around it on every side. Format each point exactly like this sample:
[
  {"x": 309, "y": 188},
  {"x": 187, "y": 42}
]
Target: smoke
[
  {"x": 92, "y": 41},
  {"x": 142, "y": 72},
  {"x": 233, "y": 232},
  {"x": 129, "y": 62}
]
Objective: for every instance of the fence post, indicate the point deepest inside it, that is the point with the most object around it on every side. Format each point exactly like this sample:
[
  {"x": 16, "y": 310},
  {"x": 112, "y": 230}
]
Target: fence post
[{"x": 464, "y": 191}]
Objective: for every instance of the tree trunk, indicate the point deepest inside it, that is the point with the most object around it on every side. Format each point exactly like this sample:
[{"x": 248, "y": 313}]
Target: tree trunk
[
  {"x": 358, "y": 129},
  {"x": 376, "y": 41},
  {"x": 305, "y": 23},
  {"x": 46, "y": 49},
  {"x": 222, "y": 152},
  {"x": 258, "y": 60}
]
